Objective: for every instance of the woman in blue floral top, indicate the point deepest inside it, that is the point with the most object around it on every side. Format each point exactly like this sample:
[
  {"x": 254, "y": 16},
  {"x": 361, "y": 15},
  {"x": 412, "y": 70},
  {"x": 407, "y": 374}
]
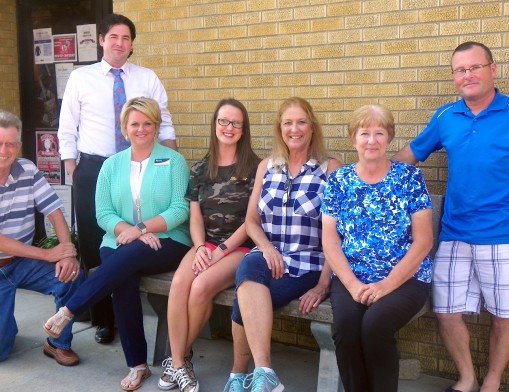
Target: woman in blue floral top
[{"x": 376, "y": 237}]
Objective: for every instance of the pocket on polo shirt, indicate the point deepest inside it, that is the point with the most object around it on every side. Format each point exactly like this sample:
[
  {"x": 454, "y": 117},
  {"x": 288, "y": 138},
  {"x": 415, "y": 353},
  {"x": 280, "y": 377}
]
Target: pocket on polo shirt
[{"x": 307, "y": 204}]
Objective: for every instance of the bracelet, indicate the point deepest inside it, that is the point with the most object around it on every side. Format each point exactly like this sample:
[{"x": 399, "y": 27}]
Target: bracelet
[{"x": 198, "y": 248}]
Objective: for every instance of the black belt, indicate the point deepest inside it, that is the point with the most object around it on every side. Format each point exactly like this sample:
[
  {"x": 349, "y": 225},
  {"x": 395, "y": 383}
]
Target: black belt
[
  {"x": 96, "y": 158},
  {"x": 7, "y": 261}
]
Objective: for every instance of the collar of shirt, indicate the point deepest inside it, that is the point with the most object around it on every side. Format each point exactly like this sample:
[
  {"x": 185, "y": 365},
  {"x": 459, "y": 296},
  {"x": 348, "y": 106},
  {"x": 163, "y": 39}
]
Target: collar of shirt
[{"x": 107, "y": 67}]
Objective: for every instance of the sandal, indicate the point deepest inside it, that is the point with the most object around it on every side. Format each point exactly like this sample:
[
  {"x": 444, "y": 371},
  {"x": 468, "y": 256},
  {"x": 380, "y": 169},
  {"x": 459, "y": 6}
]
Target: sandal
[
  {"x": 134, "y": 380},
  {"x": 56, "y": 324}
]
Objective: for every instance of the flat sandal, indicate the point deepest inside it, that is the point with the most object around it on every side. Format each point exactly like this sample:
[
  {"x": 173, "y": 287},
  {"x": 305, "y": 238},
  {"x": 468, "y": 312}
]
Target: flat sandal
[
  {"x": 133, "y": 376},
  {"x": 59, "y": 318}
]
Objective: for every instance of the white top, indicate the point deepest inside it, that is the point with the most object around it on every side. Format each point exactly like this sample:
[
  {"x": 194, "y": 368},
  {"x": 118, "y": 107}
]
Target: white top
[
  {"x": 137, "y": 172},
  {"x": 87, "y": 117}
]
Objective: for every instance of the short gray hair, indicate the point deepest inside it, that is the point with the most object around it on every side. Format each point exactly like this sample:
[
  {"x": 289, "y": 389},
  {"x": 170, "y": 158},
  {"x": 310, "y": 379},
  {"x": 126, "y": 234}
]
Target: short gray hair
[{"x": 10, "y": 120}]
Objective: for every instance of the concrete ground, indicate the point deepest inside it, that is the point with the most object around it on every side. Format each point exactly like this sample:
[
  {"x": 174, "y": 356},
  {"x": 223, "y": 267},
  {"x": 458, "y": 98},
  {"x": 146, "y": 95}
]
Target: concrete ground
[{"x": 103, "y": 366}]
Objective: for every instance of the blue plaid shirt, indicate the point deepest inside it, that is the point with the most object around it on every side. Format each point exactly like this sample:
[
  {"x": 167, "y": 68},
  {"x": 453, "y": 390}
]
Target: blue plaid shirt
[{"x": 294, "y": 227}]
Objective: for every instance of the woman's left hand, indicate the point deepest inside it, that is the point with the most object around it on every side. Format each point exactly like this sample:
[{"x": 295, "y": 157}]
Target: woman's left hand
[
  {"x": 128, "y": 235},
  {"x": 370, "y": 293},
  {"x": 312, "y": 298},
  {"x": 151, "y": 240}
]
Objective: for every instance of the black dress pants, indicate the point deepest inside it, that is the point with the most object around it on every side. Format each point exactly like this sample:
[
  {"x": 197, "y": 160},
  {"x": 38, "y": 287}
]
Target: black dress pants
[
  {"x": 90, "y": 235},
  {"x": 364, "y": 336}
]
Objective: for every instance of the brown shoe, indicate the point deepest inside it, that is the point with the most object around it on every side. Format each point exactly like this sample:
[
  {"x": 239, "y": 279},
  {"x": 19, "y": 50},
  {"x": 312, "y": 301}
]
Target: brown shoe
[{"x": 63, "y": 357}]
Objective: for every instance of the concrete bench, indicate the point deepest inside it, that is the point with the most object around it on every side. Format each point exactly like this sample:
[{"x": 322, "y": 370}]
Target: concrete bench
[{"x": 154, "y": 291}]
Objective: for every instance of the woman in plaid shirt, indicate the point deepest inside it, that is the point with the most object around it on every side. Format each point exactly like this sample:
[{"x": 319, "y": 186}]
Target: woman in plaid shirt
[{"x": 284, "y": 221}]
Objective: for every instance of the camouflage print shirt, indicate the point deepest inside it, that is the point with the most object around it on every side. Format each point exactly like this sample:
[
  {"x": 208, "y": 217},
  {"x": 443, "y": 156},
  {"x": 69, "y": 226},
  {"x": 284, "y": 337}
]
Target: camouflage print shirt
[{"x": 223, "y": 201}]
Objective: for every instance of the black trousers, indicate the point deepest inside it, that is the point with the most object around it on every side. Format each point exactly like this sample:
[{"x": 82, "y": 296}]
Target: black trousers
[
  {"x": 364, "y": 336},
  {"x": 89, "y": 233}
]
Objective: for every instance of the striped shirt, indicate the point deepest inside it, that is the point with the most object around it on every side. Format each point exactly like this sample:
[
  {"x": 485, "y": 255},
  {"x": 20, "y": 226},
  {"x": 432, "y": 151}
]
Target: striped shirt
[
  {"x": 25, "y": 190},
  {"x": 294, "y": 227}
]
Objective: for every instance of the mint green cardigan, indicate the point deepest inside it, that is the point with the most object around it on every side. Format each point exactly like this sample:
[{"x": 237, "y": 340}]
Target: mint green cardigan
[{"x": 162, "y": 193}]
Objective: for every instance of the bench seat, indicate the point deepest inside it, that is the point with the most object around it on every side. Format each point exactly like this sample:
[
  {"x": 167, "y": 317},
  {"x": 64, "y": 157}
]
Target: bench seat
[{"x": 154, "y": 292}]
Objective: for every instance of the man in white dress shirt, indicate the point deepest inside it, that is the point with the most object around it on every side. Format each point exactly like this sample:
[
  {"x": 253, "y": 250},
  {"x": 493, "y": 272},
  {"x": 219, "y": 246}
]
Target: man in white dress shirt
[{"x": 87, "y": 136}]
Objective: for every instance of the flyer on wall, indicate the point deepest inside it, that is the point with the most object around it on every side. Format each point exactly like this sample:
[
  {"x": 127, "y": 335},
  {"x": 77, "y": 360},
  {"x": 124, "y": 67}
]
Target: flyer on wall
[
  {"x": 64, "y": 48},
  {"x": 48, "y": 158},
  {"x": 43, "y": 49},
  {"x": 87, "y": 42},
  {"x": 64, "y": 193}
]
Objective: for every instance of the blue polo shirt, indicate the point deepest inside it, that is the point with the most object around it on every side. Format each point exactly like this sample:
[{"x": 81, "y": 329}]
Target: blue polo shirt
[{"x": 476, "y": 207}]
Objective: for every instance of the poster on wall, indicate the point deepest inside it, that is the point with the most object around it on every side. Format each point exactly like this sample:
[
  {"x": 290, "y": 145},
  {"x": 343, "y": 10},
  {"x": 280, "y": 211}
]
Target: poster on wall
[
  {"x": 64, "y": 193},
  {"x": 48, "y": 159},
  {"x": 87, "y": 42},
  {"x": 43, "y": 48},
  {"x": 62, "y": 73},
  {"x": 64, "y": 48}
]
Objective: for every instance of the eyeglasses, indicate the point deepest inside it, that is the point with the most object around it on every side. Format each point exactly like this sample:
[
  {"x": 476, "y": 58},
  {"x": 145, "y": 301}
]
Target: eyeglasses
[
  {"x": 288, "y": 190},
  {"x": 235, "y": 124},
  {"x": 9, "y": 145},
  {"x": 474, "y": 69}
]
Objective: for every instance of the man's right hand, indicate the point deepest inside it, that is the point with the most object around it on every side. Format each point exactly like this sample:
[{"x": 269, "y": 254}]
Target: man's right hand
[
  {"x": 59, "y": 252},
  {"x": 70, "y": 166}
]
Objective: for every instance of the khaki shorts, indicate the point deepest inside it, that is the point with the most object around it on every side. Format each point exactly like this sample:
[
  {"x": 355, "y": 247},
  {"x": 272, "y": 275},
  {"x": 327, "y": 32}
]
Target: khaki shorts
[{"x": 464, "y": 273}]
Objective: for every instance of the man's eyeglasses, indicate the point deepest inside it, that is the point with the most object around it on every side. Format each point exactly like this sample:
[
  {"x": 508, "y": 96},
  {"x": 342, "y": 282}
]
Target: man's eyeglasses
[
  {"x": 235, "y": 124},
  {"x": 288, "y": 190},
  {"x": 474, "y": 69}
]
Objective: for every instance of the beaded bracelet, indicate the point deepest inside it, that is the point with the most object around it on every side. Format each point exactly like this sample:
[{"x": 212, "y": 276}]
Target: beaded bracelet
[{"x": 199, "y": 248}]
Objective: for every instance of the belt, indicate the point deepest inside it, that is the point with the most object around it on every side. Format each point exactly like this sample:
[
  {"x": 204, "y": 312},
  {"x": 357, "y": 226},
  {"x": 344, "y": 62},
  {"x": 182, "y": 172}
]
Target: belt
[
  {"x": 96, "y": 158},
  {"x": 8, "y": 260}
]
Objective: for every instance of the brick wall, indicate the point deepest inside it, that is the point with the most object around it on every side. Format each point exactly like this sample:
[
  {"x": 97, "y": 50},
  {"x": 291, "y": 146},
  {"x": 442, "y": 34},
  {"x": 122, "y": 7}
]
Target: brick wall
[
  {"x": 9, "y": 86},
  {"x": 338, "y": 55}
]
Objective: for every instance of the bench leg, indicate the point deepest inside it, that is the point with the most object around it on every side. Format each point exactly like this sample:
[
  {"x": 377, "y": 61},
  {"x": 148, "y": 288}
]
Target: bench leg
[
  {"x": 328, "y": 373},
  {"x": 156, "y": 327}
]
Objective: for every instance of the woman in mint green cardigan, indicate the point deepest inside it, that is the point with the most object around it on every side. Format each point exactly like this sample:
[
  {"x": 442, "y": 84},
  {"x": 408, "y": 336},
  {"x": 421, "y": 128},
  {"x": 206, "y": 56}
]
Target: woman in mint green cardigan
[{"x": 140, "y": 205}]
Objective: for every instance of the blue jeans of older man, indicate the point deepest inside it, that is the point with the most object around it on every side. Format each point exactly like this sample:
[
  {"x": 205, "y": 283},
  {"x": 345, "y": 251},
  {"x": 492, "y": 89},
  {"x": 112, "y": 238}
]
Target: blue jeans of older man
[{"x": 35, "y": 275}]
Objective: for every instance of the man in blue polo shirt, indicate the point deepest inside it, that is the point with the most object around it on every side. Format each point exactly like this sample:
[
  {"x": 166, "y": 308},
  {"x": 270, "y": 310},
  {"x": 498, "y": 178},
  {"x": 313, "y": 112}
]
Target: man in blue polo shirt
[
  {"x": 473, "y": 258},
  {"x": 49, "y": 271}
]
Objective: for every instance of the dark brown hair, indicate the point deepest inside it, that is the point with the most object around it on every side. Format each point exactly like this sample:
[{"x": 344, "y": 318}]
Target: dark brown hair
[{"x": 247, "y": 160}]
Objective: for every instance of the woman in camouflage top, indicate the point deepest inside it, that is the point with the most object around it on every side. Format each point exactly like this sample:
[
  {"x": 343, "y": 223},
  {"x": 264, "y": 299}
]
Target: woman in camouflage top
[{"x": 218, "y": 192}]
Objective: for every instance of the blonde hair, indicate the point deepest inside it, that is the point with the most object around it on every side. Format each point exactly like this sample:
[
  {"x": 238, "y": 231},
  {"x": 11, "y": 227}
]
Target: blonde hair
[
  {"x": 147, "y": 106},
  {"x": 371, "y": 115},
  {"x": 317, "y": 150}
]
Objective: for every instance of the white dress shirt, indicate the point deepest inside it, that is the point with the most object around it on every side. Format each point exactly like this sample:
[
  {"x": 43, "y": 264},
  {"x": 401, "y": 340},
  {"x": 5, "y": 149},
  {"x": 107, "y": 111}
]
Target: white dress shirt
[{"x": 87, "y": 117}]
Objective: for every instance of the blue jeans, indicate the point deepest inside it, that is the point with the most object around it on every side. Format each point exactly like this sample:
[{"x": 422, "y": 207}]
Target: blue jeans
[
  {"x": 38, "y": 276},
  {"x": 282, "y": 291}
]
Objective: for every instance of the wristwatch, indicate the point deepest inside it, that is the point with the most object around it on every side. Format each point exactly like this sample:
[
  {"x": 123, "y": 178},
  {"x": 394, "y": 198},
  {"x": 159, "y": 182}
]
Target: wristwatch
[
  {"x": 142, "y": 227},
  {"x": 224, "y": 248}
]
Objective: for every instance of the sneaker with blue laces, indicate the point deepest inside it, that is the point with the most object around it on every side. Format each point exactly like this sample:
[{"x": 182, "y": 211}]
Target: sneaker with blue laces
[
  {"x": 236, "y": 383},
  {"x": 262, "y": 381}
]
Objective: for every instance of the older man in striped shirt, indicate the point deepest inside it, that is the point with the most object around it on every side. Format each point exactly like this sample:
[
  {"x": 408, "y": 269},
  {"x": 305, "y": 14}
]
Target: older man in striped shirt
[{"x": 54, "y": 271}]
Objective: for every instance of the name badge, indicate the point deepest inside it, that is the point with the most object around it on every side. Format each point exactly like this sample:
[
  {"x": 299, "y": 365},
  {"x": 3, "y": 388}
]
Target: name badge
[{"x": 162, "y": 162}]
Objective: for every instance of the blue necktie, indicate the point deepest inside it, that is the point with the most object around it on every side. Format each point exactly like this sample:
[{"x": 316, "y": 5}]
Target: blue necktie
[{"x": 118, "y": 102}]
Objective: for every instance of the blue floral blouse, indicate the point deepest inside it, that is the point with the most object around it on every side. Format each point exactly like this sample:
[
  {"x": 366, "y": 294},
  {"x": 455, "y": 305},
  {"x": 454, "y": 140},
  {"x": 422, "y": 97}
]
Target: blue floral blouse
[{"x": 374, "y": 220}]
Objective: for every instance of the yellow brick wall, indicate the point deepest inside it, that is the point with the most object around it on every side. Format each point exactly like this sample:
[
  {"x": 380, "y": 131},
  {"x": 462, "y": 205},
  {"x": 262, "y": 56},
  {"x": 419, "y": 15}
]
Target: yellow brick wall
[
  {"x": 9, "y": 86},
  {"x": 338, "y": 55}
]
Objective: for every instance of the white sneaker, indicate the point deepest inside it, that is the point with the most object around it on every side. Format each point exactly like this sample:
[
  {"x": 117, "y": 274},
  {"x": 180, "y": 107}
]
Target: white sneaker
[
  {"x": 166, "y": 381},
  {"x": 185, "y": 381}
]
